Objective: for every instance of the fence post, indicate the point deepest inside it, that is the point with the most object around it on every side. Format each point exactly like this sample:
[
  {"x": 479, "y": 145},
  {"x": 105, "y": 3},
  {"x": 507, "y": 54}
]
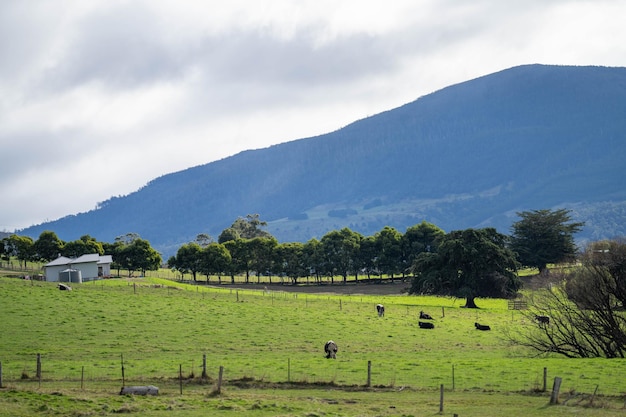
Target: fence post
[
  {"x": 204, "y": 374},
  {"x": 180, "y": 378},
  {"x": 82, "y": 378},
  {"x": 545, "y": 379},
  {"x": 1, "y": 386},
  {"x": 594, "y": 395},
  {"x": 123, "y": 378},
  {"x": 441, "y": 398},
  {"x": 369, "y": 373},
  {"x": 219, "y": 380},
  {"x": 554, "y": 398},
  {"x": 38, "y": 375},
  {"x": 453, "y": 384}
]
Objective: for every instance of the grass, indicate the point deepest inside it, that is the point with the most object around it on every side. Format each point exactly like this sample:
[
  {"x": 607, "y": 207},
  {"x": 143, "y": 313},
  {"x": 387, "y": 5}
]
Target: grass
[{"x": 158, "y": 327}]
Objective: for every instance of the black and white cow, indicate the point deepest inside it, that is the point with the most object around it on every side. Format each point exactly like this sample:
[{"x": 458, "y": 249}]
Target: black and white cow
[
  {"x": 481, "y": 326},
  {"x": 425, "y": 316},
  {"x": 380, "y": 309},
  {"x": 426, "y": 325},
  {"x": 330, "y": 348}
]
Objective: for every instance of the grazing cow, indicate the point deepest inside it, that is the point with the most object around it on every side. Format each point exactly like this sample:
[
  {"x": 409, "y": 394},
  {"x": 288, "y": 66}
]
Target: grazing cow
[
  {"x": 65, "y": 287},
  {"x": 542, "y": 320},
  {"x": 426, "y": 325},
  {"x": 481, "y": 326},
  {"x": 425, "y": 316},
  {"x": 331, "y": 349},
  {"x": 381, "y": 310}
]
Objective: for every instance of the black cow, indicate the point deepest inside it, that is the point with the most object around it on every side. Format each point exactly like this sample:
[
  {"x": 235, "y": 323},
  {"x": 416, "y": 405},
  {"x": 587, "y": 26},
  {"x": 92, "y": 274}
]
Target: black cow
[
  {"x": 425, "y": 316},
  {"x": 381, "y": 310},
  {"x": 331, "y": 349},
  {"x": 542, "y": 319},
  {"x": 426, "y": 325},
  {"x": 481, "y": 326}
]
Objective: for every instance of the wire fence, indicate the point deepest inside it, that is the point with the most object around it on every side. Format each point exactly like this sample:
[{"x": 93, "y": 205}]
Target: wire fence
[{"x": 110, "y": 373}]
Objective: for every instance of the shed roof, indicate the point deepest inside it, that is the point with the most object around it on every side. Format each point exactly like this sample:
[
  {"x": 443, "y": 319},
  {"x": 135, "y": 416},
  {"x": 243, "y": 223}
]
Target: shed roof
[
  {"x": 84, "y": 259},
  {"x": 61, "y": 260}
]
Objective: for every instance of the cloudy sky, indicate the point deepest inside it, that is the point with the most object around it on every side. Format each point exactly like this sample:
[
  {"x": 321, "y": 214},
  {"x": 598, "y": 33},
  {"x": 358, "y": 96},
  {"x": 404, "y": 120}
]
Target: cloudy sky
[{"x": 99, "y": 97}]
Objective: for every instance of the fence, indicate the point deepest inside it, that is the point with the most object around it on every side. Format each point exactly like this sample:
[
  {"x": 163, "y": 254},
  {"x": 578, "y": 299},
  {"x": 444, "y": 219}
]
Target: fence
[{"x": 112, "y": 373}]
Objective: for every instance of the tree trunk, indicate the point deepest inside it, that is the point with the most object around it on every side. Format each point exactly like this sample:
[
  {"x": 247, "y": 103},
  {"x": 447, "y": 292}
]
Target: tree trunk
[{"x": 470, "y": 303}]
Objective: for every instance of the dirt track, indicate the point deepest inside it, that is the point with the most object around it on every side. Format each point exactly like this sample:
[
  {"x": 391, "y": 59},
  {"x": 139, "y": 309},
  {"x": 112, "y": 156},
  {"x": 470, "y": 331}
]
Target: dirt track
[{"x": 395, "y": 288}]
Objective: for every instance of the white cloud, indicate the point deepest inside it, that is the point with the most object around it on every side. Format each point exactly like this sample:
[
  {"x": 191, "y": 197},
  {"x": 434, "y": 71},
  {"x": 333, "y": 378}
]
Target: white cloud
[{"x": 107, "y": 95}]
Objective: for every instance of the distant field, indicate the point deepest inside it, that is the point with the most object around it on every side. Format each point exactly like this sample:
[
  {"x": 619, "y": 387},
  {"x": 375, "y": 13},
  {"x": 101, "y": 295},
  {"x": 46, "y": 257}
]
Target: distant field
[{"x": 271, "y": 338}]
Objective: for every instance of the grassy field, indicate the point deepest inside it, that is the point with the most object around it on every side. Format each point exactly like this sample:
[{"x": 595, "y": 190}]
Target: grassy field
[{"x": 267, "y": 342}]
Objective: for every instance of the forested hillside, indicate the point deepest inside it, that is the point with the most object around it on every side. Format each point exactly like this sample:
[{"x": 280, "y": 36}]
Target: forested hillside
[{"x": 470, "y": 155}]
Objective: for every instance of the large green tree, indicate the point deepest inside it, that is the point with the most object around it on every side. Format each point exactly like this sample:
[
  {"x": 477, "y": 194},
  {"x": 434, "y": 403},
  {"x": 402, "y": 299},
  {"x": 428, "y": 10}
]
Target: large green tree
[
  {"x": 422, "y": 237},
  {"x": 48, "y": 246},
  {"x": 21, "y": 247},
  {"x": 389, "y": 248},
  {"x": 468, "y": 264},
  {"x": 340, "y": 250},
  {"x": 187, "y": 259},
  {"x": 139, "y": 256},
  {"x": 214, "y": 259},
  {"x": 543, "y": 237}
]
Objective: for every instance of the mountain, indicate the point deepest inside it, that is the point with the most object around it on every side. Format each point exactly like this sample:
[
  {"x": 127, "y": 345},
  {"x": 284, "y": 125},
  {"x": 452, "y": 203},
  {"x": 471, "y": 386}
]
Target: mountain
[{"x": 469, "y": 155}]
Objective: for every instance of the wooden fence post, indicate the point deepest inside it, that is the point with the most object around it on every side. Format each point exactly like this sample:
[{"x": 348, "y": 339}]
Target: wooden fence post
[
  {"x": 554, "y": 398},
  {"x": 453, "y": 384},
  {"x": 123, "y": 377},
  {"x": 204, "y": 374},
  {"x": 441, "y": 398},
  {"x": 219, "y": 380},
  {"x": 1, "y": 386},
  {"x": 38, "y": 375},
  {"x": 545, "y": 379},
  {"x": 369, "y": 373},
  {"x": 82, "y": 378},
  {"x": 180, "y": 378}
]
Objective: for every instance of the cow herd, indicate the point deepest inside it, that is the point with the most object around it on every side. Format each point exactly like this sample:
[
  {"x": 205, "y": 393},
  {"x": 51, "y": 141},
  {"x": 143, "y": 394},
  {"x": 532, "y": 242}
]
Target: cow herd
[{"x": 330, "y": 347}]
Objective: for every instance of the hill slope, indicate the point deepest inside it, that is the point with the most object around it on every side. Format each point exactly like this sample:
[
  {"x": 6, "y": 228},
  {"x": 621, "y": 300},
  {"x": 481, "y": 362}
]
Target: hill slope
[{"x": 469, "y": 155}]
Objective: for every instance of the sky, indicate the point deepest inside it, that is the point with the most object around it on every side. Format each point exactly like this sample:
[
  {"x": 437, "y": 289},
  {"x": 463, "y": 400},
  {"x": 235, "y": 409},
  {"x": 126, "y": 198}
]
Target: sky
[{"x": 97, "y": 98}]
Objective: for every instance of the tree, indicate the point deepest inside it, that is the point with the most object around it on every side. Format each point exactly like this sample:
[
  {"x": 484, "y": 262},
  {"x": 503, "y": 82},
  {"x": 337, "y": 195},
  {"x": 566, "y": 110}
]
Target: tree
[
  {"x": 468, "y": 264},
  {"x": 214, "y": 259},
  {"x": 187, "y": 259},
  {"x": 368, "y": 256},
  {"x": 340, "y": 249},
  {"x": 241, "y": 257},
  {"x": 314, "y": 258},
  {"x": 20, "y": 247},
  {"x": 388, "y": 245},
  {"x": 586, "y": 310},
  {"x": 139, "y": 256},
  {"x": 290, "y": 260},
  {"x": 262, "y": 254},
  {"x": 48, "y": 246},
  {"x": 542, "y": 237},
  {"x": 245, "y": 228},
  {"x": 86, "y": 244},
  {"x": 204, "y": 240},
  {"x": 423, "y": 237}
]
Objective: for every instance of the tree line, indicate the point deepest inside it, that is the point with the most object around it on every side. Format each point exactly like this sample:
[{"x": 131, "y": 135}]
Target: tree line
[
  {"x": 128, "y": 252},
  {"x": 464, "y": 263}
]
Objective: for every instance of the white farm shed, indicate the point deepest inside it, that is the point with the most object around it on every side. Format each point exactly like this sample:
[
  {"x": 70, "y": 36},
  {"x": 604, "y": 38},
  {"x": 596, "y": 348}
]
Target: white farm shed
[{"x": 91, "y": 267}]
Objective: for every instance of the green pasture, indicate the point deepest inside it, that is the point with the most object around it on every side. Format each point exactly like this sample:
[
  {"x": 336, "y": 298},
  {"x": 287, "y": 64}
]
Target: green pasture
[{"x": 159, "y": 327}]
